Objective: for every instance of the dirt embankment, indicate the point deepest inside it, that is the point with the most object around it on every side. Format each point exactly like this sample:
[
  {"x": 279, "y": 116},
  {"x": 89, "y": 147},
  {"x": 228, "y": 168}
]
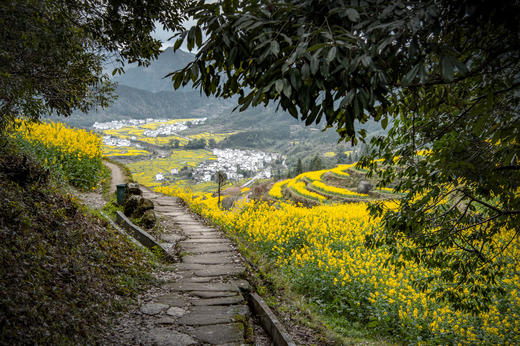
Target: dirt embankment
[{"x": 64, "y": 271}]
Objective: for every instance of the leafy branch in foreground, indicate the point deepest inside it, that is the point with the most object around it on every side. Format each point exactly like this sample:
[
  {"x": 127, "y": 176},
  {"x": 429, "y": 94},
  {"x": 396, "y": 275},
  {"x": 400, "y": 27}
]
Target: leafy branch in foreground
[
  {"x": 52, "y": 51},
  {"x": 447, "y": 72}
]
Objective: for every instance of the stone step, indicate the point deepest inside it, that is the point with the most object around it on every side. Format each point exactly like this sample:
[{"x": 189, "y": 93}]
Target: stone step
[
  {"x": 190, "y": 277},
  {"x": 206, "y": 241},
  {"x": 238, "y": 299},
  {"x": 220, "y": 334},
  {"x": 205, "y": 235},
  {"x": 198, "y": 266},
  {"x": 213, "y": 294},
  {"x": 172, "y": 300},
  {"x": 218, "y": 258},
  {"x": 207, "y": 248},
  {"x": 194, "y": 286},
  {"x": 166, "y": 336},
  {"x": 195, "y": 228},
  {"x": 209, "y": 315}
]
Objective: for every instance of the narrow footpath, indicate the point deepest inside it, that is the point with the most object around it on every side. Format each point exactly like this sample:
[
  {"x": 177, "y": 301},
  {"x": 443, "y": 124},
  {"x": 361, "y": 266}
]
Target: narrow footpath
[{"x": 200, "y": 298}]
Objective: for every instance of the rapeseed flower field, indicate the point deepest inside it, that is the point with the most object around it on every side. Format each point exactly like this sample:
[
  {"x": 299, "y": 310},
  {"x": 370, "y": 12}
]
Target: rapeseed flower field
[
  {"x": 113, "y": 151},
  {"x": 321, "y": 250},
  {"x": 74, "y": 154},
  {"x": 144, "y": 171}
]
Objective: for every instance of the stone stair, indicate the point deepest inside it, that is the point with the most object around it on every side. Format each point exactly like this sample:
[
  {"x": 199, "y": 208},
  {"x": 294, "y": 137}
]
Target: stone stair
[{"x": 203, "y": 302}]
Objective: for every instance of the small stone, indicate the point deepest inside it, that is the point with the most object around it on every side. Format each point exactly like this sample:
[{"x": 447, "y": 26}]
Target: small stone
[
  {"x": 145, "y": 204},
  {"x": 148, "y": 219},
  {"x": 364, "y": 187},
  {"x": 242, "y": 285},
  {"x": 175, "y": 311},
  {"x": 171, "y": 238},
  {"x": 133, "y": 189},
  {"x": 166, "y": 320},
  {"x": 228, "y": 202},
  {"x": 153, "y": 308},
  {"x": 131, "y": 204},
  {"x": 163, "y": 336}
]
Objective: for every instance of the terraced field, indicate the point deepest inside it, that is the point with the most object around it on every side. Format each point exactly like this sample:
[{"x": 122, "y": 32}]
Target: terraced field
[
  {"x": 115, "y": 151},
  {"x": 145, "y": 171},
  {"x": 336, "y": 185}
]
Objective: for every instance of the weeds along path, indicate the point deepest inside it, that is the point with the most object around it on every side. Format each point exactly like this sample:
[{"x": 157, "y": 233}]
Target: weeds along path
[{"x": 198, "y": 300}]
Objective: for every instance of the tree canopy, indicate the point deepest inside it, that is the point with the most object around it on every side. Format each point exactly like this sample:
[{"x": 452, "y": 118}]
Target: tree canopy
[
  {"x": 52, "y": 50},
  {"x": 445, "y": 73}
]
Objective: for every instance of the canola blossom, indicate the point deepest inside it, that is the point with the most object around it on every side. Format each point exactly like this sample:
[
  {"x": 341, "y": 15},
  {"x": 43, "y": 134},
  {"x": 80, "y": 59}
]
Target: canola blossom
[
  {"x": 74, "y": 154},
  {"x": 309, "y": 185},
  {"x": 81, "y": 143},
  {"x": 300, "y": 188},
  {"x": 337, "y": 191},
  {"x": 321, "y": 250},
  {"x": 112, "y": 150},
  {"x": 276, "y": 190},
  {"x": 340, "y": 170}
]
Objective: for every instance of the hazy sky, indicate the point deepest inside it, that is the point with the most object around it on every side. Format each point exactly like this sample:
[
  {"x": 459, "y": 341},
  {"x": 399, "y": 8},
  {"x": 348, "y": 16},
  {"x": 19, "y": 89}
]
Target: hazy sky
[{"x": 164, "y": 35}]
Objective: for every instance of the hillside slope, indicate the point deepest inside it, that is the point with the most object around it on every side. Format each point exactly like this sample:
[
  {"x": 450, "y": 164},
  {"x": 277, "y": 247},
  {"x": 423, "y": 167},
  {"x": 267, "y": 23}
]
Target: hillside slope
[
  {"x": 151, "y": 77},
  {"x": 64, "y": 272}
]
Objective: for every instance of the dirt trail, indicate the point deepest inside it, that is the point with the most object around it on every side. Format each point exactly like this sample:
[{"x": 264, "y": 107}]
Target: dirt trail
[
  {"x": 200, "y": 299},
  {"x": 117, "y": 175}
]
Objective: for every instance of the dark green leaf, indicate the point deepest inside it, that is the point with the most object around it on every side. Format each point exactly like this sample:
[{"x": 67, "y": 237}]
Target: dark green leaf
[
  {"x": 331, "y": 54},
  {"x": 353, "y": 14},
  {"x": 447, "y": 68},
  {"x": 384, "y": 123},
  {"x": 279, "y": 85},
  {"x": 409, "y": 77},
  {"x": 275, "y": 48}
]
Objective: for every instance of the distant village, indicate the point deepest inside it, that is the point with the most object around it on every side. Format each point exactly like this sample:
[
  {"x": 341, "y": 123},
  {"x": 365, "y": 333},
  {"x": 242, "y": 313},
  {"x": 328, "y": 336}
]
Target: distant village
[
  {"x": 238, "y": 164},
  {"x": 235, "y": 163}
]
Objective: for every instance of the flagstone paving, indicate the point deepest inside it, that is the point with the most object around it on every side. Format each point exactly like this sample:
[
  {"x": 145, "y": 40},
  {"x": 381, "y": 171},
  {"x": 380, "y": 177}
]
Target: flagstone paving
[{"x": 200, "y": 300}]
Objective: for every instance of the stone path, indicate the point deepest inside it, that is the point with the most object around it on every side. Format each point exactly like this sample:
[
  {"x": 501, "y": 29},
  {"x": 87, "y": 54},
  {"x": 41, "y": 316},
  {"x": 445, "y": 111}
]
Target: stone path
[
  {"x": 200, "y": 299},
  {"x": 205, "y": 299},
  {"x": 117, "y": 175}
]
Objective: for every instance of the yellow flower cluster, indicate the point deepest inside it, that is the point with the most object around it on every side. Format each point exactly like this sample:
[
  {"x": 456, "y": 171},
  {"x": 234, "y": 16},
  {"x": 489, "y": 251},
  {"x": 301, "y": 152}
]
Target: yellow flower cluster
[
  {"x": 333, "y": 190},
  {"x": 276, "y": 190},
  {"x": 322, "y": 250},
  {"x": 312, "y": 175},
  {"x": 144, "y": 171},
  {"x": 340, "y": 170},
  {"x": 72, "y": 141},
  {"x": 112, "y": 150},
  {"x": 299, "y": 187}
]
